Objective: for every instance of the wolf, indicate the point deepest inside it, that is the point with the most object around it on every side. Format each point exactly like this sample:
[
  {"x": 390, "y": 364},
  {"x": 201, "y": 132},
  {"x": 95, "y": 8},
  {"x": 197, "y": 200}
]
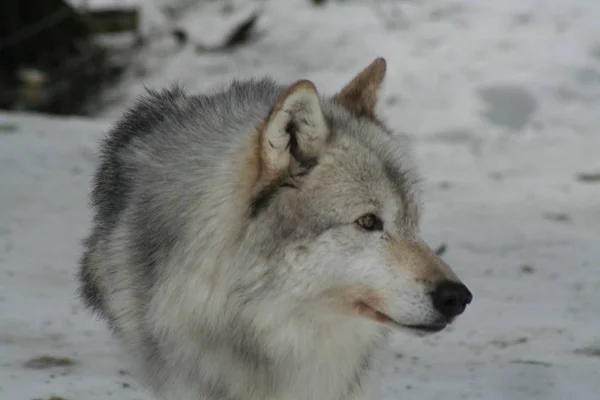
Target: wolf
[{"x": 261, "y": 242}]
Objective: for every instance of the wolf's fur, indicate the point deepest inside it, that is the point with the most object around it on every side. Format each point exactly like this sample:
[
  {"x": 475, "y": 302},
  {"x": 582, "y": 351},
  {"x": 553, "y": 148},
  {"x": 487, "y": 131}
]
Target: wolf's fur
[{"x": 228, "y": 253}]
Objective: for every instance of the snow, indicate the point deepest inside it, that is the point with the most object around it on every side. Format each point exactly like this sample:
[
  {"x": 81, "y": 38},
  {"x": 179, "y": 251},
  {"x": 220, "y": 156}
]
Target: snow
[{"x": 501, "y": 102}]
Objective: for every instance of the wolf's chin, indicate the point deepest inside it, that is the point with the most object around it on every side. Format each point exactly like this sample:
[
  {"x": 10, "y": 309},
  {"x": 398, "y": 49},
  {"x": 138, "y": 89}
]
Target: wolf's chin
[
  {"x": 419, "y": 329},
  {"x": 425, "y": 329}
]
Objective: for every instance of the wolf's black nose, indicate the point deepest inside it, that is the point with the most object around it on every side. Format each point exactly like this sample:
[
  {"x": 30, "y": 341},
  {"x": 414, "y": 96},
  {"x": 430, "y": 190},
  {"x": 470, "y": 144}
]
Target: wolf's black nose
[{"x": 451, "y": 298}]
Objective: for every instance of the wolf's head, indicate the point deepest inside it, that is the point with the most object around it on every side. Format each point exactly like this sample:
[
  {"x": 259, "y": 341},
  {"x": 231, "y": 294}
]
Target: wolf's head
[{"x": 333, "y": 209}]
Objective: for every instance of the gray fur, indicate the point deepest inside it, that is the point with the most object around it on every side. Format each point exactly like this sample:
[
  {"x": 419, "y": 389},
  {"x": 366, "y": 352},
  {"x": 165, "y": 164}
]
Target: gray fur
[{"x": 218, "y": 298}]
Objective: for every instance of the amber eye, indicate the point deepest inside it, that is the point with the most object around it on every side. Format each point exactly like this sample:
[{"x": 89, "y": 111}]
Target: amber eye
[{"x": 370, "y": 222}]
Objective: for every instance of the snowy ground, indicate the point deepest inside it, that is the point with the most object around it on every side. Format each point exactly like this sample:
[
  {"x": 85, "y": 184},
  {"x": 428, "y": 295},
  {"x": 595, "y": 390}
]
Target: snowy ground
[{"x": 502, "y": 100}]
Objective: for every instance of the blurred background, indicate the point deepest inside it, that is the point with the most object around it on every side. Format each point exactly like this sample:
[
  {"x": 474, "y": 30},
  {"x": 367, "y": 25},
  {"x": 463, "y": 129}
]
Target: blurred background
[{"x": 500, "y": 100}]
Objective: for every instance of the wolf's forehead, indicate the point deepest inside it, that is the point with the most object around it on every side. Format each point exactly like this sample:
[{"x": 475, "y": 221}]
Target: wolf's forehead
[
  {"x": 355, "y": 168},
  {"x": 368, "y": 158},
  {"x": 355, "y": 188},
  {"x": 353, "y": 165},
  {"x": 375, "y": 171}
]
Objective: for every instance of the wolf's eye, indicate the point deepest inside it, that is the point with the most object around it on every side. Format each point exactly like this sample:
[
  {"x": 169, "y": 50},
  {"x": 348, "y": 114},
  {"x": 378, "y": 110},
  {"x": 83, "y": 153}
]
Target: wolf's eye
[{"x": 370, "y": 222}]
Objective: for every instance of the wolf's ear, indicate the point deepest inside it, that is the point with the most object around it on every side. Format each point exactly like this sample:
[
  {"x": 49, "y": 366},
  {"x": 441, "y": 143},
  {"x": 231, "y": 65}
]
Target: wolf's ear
[
  {"x": 361, "y": 94},
  {"x": 295, "y": 130}
]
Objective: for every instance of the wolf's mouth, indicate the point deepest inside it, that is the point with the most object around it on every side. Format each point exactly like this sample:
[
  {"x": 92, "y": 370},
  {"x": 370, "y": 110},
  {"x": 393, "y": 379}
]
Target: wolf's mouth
[{"x": 378, "y": 316}]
